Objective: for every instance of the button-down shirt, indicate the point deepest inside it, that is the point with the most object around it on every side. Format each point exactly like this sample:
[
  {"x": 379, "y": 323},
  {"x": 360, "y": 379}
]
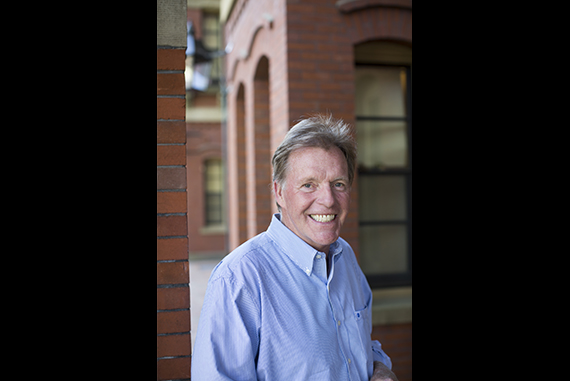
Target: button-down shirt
[{"x": 271, "y": 313}]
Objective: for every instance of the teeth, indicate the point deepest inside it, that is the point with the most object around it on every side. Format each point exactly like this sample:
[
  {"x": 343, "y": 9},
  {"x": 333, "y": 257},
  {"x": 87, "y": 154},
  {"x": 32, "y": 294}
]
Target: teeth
[{"x": 323, "y": 217}]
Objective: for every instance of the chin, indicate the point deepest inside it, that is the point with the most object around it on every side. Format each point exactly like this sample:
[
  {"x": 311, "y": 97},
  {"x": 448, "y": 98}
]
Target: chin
[{"x": 326, "y": 241}]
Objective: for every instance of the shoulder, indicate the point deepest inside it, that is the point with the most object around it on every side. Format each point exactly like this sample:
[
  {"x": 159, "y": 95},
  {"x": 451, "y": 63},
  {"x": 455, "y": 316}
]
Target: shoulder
[
  {"x": 240, "y": 276},
  {"x": 244, "y": 260}
]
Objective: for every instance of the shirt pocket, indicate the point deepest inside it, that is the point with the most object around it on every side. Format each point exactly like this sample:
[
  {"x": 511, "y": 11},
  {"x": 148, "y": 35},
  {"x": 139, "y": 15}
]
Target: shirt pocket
[
  {"x": 361, "y": 313},
  {"x": 363, "y": 323}
]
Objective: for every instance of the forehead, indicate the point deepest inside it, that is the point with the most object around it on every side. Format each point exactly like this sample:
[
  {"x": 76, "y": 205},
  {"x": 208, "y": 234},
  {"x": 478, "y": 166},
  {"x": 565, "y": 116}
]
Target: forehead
[{"x": 317, "y": 163}]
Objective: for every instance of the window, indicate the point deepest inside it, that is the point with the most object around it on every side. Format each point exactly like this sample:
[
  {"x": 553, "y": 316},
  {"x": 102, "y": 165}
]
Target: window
[
  {"x": 213, "y": 188},
  {"x": 383, "y": 125},
  {"x": 211, "y": 37}
]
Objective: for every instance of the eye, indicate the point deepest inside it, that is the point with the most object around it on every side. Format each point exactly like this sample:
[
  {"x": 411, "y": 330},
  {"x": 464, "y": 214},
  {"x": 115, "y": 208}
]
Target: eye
[
  {"x": 308, "y": 185},
  {"x": 339, "y": 185}
]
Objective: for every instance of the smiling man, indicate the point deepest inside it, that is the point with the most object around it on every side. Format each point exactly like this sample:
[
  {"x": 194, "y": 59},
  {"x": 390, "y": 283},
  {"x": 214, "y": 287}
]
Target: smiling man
[
  {"x": 315, "y": 202},
  {"x": 292, "y": 302}
]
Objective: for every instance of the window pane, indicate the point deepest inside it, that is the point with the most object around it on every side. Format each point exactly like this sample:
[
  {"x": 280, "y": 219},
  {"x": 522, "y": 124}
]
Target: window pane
[
  {"x": 211, "y": 40},
  {"x": 214, "y": 176},
  {"x": 382, "y": 198},
  {"x": 380, "y": 91},
  {"x": 211, "y": 31},
  {"x": 213, "y": 192},
  {"x": 214, "y": 208},
  {"x": 381, "y": 144},
  {"x": 383, "y": 249}
]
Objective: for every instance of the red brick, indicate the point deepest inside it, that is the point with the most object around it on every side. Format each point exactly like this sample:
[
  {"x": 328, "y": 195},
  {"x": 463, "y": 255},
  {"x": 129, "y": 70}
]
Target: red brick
[
  {"x": 172, "y": 298},
  {"x": 171, "y": 178},
  {"x": 170, "y": 132},
  {"x": 170, "y": 225},
  {"x": 172, "y": 273},
  {"x": 171, "y": 249},
  {"x": 170, "y": 155},
  {"x": 170, "y": 59},
  {"x": 170, "y": 108},
  {"x": 396, "y": 341},
  {"x": 171, "y": 202},
  {"x": 172, "y": 322},
  {"x": 176, "y": 345},
  {"x": 170, "y": 84},
  {"x": 169, "y": 369},
  {"x": 296, "y": 9},
  {"x": 310, "y": 47}
]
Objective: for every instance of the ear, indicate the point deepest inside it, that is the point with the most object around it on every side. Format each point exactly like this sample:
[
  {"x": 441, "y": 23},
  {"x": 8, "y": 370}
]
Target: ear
[{"x": 278, "y": 192}]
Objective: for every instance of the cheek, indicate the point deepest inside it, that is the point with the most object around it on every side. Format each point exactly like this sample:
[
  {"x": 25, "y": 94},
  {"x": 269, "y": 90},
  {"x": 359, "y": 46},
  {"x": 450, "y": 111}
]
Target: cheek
[
  {"x": 344, "y": 201},
  {"x": 299, "y": 202}
]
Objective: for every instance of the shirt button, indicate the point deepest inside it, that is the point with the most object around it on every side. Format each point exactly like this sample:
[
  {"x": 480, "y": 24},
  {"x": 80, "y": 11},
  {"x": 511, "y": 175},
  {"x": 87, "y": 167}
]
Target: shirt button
[
  {"x": 338, "y": 323},
  {"x": 318, "y": 256},
  {"x": 349, "y": 361},
  {"x": 308, "y": 271}
]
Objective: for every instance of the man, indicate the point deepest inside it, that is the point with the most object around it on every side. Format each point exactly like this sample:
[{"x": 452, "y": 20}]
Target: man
[{"x": 291, "y": 303}]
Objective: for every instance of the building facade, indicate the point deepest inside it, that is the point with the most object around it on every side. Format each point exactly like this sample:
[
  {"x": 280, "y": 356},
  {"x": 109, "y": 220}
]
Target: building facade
[{"x": 232, "y": 77}]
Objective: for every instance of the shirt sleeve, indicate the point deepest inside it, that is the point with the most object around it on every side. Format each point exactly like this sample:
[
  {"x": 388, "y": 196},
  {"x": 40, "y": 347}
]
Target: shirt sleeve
[
  {"x": 377, "y": 353},
  {"x": 228, "y": 334},
  {"x": 380, "y": 355}
]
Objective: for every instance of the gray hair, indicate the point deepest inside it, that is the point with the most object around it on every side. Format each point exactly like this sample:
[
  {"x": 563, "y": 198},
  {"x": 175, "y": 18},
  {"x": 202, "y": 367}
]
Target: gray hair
[{"x": 322, "y": 131}]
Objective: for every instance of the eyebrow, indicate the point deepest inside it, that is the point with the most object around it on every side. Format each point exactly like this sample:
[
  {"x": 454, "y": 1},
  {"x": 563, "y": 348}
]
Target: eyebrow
[
  {"x": 314, "y": 179},
  {"x": 308, "y": 179}
]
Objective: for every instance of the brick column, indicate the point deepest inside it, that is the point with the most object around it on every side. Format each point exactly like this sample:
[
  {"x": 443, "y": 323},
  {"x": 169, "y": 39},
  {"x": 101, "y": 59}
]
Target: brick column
[{"x": 172, "y": 275}]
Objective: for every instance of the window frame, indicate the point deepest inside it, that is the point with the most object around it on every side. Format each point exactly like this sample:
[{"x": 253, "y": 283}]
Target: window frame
[
  {"x": 208, "y": 194},
  {"x": 404, "y": 278}
]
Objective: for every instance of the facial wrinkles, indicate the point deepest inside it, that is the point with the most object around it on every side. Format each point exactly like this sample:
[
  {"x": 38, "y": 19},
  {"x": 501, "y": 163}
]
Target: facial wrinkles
[{"x": 316, "y": 198}]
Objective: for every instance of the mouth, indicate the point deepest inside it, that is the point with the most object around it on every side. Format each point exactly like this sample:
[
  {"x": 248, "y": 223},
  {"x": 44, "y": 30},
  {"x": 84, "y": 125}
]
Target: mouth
[{"x": 323, "y": 217}]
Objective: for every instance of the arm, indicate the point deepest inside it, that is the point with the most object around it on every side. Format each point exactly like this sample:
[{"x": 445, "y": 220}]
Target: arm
[
  {"x": 227, "y": 338},
  {"x": 382, "y": 373}
]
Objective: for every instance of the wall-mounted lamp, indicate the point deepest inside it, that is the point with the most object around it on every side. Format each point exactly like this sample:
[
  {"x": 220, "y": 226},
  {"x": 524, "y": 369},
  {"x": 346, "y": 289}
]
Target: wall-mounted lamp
[{"x": 198, "y": 69}]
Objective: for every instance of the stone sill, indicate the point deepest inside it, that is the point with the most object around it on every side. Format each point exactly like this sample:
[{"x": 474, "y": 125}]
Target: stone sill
[{"x": 392, "y": 305}]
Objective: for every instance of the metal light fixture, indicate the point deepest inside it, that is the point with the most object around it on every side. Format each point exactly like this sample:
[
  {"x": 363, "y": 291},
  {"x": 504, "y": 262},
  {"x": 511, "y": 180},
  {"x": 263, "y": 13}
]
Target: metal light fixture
[{"x": 199, "y": 67}]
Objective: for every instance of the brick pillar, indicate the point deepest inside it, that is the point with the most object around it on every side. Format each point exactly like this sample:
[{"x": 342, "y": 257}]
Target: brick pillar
[
  {"x": 241, "y": 158},
  {"x": 263, "y": 153},
  {"x": 172, "y": 275}
]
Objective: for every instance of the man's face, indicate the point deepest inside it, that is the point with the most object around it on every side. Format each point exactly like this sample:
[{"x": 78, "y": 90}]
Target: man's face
[{"x": 315, "y": 197}]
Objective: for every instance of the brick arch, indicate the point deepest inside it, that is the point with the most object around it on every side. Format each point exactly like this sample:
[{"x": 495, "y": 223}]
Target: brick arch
[
  {"x": 244, "y": 52},
  {"x": 241, "y": 164},
  {"x": 262, "y": 181},
  {"x": 253, "y": 71},
  {"x": 379, "y": 23}
]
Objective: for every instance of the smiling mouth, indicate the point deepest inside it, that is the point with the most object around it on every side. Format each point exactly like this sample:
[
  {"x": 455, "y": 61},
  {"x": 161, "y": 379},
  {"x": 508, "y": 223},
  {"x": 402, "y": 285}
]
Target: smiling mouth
[{"x": 323, "y": 217}]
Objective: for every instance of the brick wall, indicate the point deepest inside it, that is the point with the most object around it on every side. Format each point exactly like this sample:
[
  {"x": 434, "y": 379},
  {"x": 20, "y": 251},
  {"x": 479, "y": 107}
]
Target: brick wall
[
  {"x": 396, "y": 341},
  {"x": 172, "y": 276},
  {"x": 256, "y": 73},
  {"x": 203, "y": 142},
  {"x": 309, "y": 47},
  {"x": 321, "y": 37}
]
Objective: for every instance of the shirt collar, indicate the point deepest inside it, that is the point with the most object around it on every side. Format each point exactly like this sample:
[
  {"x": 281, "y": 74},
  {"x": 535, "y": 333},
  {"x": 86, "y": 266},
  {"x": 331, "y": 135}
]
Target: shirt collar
[{"x": 294, "y": 247}]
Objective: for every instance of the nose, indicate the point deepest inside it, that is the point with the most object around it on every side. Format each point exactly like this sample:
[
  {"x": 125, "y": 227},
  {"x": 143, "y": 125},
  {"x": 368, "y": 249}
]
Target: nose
[{"x": 326, "y": 196}]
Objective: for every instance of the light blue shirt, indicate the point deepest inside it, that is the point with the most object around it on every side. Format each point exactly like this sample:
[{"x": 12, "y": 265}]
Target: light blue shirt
[{"x": 271, "y": 313}]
